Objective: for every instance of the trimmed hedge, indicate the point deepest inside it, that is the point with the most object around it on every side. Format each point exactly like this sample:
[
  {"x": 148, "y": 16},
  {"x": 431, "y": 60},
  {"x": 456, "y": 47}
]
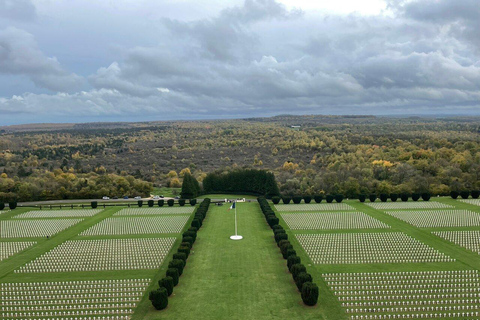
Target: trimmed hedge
[
  {"x": 94, "y": 204},
  {"x": 318, "y": 198},
  {"x": 292, "y": 260},
  {"x": 286, "y": 200},
  {"x": 372, "y": 197},
  {"x": 415, "y": 196},
  {"x": 140, "y": 203},
  {"x": 339, "y": 198},
  {"x": 170, "y": 202},
  {"x": 309, "y": 293},
  {"x": 294, "y": 263},
  {"x": 297, "y": 199},
  {"x": 12, "y": 205},
  {"x": 193, "y": 202},
  {"x": 464, "y": 194},
  {"x": 475, "y": 194},
  {"x": 404, "y": 197},
  {"x": 276, "y": 200},
  {"x": 281, "y": 236},
  {"x": 329, "y": 198},
  {"x": 307, "y": 199},
  {"x": 180, "y": 256},
  {"x": 173, "y": 273},
  {"x": 383, "y": 197},
  {"x": 150, "y": 203},
  {"x": 159, "y": 298},
  {"x": 426, "y": 196},
  {"x": 362, "y": 198},
  {"x": 166, "y": 283},
  {"x": 161, "y": 203},
  {"x": 454, "y": 194},
  {"x": 181, "y": 202},
  {"x": 296, "y": 269},
  {"x": 2, "y": 205},
  {"x": 393, "y": 197},
  {"x": 272, "y": 220},
  {"x": 189, "y": 240},
  {"x": 302, "y": 277},
  {"x": 177, "y": 264}
]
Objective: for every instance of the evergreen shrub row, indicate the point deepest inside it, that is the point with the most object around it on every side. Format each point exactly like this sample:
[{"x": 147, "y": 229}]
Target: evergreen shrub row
[
  {"x": 303, "y": 280},
  {"x": 464, "y": 194},
  {"x": 159, "y": 297},
  {"x": 394, "y": 197},
  {"x": 307, "y": 199}
]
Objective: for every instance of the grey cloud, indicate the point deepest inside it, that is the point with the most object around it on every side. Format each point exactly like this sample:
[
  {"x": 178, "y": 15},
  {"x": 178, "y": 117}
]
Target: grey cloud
[
  {"x": 22, "y": 10},
  {"x": 229, "y": 36},
  {"x": 261, "y": 59},
  {"x": 443, "y": 10},
  {"x": 19, "y": 54},
  {"x": 461, "y": 17}
]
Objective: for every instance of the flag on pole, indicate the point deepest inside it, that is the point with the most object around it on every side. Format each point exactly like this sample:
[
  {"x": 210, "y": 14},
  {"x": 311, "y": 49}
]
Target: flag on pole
[{"x": 232, "y": 206}]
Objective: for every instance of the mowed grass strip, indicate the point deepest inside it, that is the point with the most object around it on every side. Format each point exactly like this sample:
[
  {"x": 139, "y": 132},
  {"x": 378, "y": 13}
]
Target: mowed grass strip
[{"x": 246, "y": 279}]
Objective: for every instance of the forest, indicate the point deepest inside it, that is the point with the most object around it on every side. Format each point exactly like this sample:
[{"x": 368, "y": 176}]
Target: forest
[{"x": 316, "y": 154}]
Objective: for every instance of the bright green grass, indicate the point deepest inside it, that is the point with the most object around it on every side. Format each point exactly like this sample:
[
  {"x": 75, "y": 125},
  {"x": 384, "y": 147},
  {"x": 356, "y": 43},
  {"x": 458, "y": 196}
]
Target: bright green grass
[
  {"x": 247, "y": 279},
  {"x": 167, "y": 192}
]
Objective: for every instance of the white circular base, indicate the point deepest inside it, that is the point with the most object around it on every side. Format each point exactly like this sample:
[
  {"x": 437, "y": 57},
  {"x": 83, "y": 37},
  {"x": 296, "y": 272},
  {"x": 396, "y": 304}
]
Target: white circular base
[{"x": 236, "y": 237}]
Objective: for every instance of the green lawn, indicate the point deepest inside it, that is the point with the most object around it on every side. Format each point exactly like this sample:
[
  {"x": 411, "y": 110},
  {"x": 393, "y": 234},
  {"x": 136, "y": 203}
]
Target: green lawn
[
  {"x": 246, "y": 279},
  {"x": 166, "y": 192}
]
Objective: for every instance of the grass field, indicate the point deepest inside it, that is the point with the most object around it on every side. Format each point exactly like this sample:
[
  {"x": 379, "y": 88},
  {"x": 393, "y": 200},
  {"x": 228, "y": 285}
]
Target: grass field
[
  {"x": 245, "y": 279},
  {"x": 227, "y": 196},
  {"x": 166, "y": 192}
]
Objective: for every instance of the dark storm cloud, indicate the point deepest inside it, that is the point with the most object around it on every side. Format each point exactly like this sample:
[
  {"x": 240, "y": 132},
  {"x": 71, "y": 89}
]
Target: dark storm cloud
[{"x": 261, "y": 59}]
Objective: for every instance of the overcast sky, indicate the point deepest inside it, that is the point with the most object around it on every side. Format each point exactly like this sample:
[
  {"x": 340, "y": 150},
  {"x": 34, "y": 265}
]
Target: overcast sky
[{"x": 128, "y": 60}]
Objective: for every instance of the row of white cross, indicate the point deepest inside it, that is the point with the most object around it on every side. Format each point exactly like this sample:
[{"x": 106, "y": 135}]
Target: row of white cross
[
  {"x": 15, "y": 302},
  {"x": 438, "y": 218},
  {"x": 34, "y": 228},
  {"x": 313, "y": 207},
  {"x": 467, "y": 239},
  {"x": 408, "y": 205},
  {"x": 8, "y": 249},
  {"x": 154, "y": 211},
  {"x": 475, "y": 202},
  {"x": 399, "y": 295},
  {"x": 59, "y": 213},
  {"x": 351, "y": 248},
  {"x": 137, "y": 225},
  {"x": 102, "y": 254},
  {"x": 445, "y": 315},
  {"x": 332, "y": 220}
]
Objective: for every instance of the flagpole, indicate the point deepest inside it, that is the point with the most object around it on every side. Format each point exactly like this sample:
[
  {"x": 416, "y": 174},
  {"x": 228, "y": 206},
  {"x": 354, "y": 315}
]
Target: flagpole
[
  {"x": 235, "y": 220},
  {"x": 236, "y": 236}
]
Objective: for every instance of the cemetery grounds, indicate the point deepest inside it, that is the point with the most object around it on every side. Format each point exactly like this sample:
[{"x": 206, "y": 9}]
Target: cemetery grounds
[{"x": 370, "y": 260}]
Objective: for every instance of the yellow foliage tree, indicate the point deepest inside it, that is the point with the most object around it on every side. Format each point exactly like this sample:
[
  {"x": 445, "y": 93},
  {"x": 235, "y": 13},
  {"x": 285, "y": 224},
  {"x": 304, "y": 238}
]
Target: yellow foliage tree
[
  {"x": 175, "y": 183},
  {"x": 186, "y": 170},
  {"x": 383, "y": 163},
  {"x": 289, "y": 166},
  {"x": 172, "y": 174}
]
